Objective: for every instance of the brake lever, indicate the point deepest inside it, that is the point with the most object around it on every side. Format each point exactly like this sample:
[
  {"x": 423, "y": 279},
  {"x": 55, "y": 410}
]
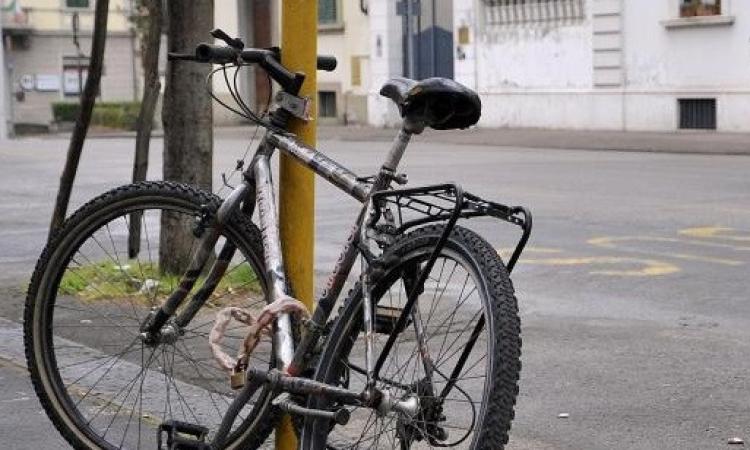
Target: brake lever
[{"x": 236, "y": 43}]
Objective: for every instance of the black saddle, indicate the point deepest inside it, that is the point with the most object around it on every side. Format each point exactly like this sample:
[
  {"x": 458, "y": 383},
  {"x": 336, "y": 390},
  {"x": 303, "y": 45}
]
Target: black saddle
[{"x": 439, "y": 103}]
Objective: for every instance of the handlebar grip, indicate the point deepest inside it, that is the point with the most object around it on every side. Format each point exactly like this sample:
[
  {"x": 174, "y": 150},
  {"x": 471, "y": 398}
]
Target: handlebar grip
[
  {"x": 215, "y": 54},
  {"x": 181, "y": 57},
  {"x": 327, "y": 63}
]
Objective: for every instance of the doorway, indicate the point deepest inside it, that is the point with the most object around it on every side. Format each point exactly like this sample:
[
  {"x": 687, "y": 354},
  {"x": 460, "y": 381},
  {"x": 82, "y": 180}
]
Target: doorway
[{"x": 427, "y": 38}]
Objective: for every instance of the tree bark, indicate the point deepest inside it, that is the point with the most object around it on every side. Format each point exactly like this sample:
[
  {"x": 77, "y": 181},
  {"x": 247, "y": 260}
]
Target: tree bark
[
  {"x": 90, "y": 91},
  {"x": 150, "y": 43},
  {"x": 188, "y": 120}
]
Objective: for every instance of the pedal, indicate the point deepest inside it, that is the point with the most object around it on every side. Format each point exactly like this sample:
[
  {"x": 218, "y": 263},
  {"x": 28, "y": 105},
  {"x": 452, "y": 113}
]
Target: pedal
[{"x": 182, "y": 436}]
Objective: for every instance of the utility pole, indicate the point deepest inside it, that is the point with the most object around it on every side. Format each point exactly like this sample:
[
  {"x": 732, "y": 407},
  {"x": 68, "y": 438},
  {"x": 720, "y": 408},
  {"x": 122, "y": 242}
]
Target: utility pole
[{"x": 299, "y": 48}]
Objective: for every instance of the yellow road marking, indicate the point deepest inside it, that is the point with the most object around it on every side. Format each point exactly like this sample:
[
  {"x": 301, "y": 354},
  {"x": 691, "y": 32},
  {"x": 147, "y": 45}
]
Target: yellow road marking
[
  {"x": 715, "y": 232},
  {"x": 608, "y": 242},
  {"x": 650, "y": 267},
  {"x": 612, "y": 244},
  {"x": 508, "y": 251}
]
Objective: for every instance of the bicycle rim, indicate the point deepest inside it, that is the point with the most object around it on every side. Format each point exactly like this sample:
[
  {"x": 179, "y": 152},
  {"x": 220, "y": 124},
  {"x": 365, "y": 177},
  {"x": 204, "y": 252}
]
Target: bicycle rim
[
  {"x": 453, "y": 301},
  {"x": 103, "y": 381}
]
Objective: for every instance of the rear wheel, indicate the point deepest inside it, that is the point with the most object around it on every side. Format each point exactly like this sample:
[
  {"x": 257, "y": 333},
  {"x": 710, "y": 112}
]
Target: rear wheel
[
  {"x": 100, "y": 384},
  {"x": 468, "y": 320}
]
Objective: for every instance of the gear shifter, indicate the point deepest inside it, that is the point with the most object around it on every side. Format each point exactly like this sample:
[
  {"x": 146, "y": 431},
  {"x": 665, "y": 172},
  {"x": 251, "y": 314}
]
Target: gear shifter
[{"x": 236, "y": 43}]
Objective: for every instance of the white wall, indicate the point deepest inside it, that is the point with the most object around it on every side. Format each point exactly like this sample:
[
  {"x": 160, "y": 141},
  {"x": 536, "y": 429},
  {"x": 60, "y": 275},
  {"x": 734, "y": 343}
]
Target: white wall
[
  {"x": 349, "y": 39},
  {"x": 529, "y": 75},
  {"x": 621, "y": 67},
  {"x": 664, "y": 63},
  {"x": 352, "y": 40},
  {"x": 385, "y": 60}
]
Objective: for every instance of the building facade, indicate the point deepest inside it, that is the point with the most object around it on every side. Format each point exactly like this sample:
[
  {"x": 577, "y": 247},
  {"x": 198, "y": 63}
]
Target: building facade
[
  {"x": 343, "y": 31},
  {"x": 585, "y": 64},
  {"x": 43, "y": 64}
]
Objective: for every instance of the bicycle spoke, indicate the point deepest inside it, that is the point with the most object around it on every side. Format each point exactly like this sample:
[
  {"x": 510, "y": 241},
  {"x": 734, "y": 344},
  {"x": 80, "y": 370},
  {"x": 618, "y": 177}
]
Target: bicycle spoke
[
  {"x": 116, "y": 385},
  {"x": 446, "y": 311}
]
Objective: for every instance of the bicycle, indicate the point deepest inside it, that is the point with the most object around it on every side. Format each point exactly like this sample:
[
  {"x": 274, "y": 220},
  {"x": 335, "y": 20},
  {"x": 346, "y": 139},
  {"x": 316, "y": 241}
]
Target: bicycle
[{"x": 403, "y": 365}]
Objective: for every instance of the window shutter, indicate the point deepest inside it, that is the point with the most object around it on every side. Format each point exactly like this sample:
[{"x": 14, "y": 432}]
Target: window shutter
[{"x": 327, "y": 11}]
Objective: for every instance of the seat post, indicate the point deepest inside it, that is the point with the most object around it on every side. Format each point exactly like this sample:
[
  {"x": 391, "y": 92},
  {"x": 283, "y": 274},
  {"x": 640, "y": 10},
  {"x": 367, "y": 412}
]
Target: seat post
[{"x": 397, "y": 149}]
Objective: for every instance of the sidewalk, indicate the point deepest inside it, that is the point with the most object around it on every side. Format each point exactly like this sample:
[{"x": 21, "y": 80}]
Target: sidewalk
[
  {"x": 676, "y": 142},
  {"x": 691, "y": 142}
]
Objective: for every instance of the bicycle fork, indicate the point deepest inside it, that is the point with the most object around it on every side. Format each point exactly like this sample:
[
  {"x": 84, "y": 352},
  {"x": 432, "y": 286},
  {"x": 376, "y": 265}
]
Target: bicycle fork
[{"x": 158, "y": 327}]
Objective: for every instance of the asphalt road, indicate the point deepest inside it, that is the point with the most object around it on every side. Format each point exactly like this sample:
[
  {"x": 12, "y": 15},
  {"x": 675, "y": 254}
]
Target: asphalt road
[{"x": 634, "y": 293}]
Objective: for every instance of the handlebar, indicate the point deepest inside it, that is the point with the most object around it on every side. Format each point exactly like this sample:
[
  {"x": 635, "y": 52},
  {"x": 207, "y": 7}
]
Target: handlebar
[
  {"x": 327, "y": 63},
  {"x": 269, "y": 59}
]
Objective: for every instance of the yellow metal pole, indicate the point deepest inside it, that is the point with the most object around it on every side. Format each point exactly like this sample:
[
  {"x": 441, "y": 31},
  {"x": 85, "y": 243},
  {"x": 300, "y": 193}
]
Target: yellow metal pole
[{"x": 299, "y": 49}]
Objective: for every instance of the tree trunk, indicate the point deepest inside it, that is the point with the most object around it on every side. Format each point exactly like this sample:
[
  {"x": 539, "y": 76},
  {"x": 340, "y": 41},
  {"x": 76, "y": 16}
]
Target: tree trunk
[
  {"x": 88, "y": 98},
  {"x": 150, "y": 42},
  {"x": 188, "y": 119}
]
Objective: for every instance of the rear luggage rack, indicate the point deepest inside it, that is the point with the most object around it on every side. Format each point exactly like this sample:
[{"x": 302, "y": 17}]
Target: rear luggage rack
[
  {"x": 395, "y": 211},
  {"x": 444, "y": 202}
]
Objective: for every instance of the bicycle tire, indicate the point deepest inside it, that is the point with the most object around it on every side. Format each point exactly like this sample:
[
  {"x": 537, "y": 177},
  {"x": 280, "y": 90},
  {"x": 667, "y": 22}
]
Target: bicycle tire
[
  {"x": 497, "y": 411},
  {"x": 42, "y": 295}
]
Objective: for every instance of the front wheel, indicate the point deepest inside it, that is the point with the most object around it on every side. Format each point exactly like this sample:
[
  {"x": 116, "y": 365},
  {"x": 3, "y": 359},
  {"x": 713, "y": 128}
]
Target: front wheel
[
  {"x": 463, "y": 377},
  {"x": 115, "y": 259}
]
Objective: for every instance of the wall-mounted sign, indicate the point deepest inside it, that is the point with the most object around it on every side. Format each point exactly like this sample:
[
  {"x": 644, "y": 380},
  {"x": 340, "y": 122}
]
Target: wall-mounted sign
[
  {"x": 27, "y": 82},
  {"x": 463, "y": 35},
  {"x": 47, "y": 83},
  {"x": 71, "y": 78}
]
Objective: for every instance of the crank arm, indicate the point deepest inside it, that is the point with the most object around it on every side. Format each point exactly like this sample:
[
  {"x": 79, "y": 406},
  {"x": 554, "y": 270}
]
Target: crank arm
[
  {"x": 279, "y": 381},
  {"x": 285, "y": 403}
]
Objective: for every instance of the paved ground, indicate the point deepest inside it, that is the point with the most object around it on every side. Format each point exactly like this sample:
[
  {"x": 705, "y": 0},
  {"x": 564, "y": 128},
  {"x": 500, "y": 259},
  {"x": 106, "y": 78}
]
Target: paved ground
[
  {"x": 693, "y": 142},
  {"x": 634, "y": 291}
]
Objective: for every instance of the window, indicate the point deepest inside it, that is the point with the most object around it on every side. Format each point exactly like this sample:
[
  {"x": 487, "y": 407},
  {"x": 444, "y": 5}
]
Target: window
[
  {"x": 356, "y": 69},
  {"x": 697, "y": 113},
  {"x": 77, "y": 3},
  {"x": 75, "y": 71},
  {"x": 510, "y": 12},
  {"x": 328, "y": 12},
  {"x": 327, "y": 104},
  {"x": 692, "y": 8}
]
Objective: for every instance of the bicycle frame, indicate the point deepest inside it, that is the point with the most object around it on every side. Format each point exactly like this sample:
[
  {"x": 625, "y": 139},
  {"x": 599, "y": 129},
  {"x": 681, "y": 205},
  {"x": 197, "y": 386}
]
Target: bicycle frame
[
  {"x": 256, "y": 190},
  {"x": 257, "y": 187},
  {"x": 293, "y": 362}
]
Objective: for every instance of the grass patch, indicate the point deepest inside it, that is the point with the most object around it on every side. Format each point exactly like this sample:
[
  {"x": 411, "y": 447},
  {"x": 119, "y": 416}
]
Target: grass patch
[{"x": 144, "y": 281}]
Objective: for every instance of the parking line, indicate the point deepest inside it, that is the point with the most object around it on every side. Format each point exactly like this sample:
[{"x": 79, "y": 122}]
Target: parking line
[
  {"x": 650, "y": 267},
  {"x": 715, "y": 232},
  {"x": 611, "y": 243}
]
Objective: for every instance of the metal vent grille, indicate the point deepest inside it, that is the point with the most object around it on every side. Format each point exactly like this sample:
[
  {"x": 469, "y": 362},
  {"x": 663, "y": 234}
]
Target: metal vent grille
[
  {"x": 697, "y": 113},
  {"x": 512, "y": 12},
  {"x": 327, "y": 104}
]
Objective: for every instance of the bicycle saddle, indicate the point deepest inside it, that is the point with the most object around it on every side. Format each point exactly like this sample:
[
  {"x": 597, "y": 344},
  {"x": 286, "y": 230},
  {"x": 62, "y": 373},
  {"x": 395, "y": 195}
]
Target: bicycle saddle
[{"x": 440, "y": 103}]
